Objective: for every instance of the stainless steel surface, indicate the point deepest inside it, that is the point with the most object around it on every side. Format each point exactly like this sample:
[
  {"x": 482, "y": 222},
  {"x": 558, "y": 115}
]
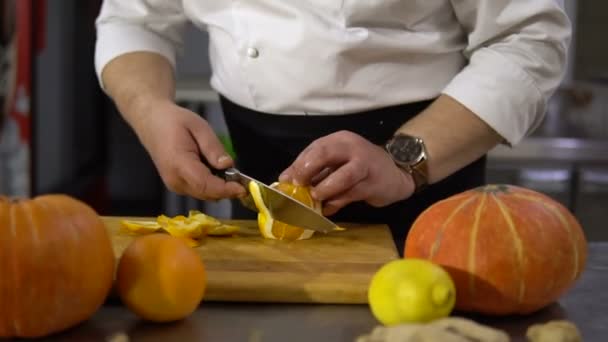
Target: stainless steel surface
[
  {"x": 573, "y": 171},
  {"x": 586, "y": 305},
  {"x": 569, "y": 150},
  {"x": 593, "y": 201},
  {"x": 282, "y": 207}
]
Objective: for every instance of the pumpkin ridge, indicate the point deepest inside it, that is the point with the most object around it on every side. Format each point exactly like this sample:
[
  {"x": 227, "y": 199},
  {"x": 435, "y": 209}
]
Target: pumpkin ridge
[
  {"x": 30, "y": 220},
  {"x": 50, "y": 211},
  {"x": 4, "y": 302},
  {"x": 52, "y": 207},
  {"x": 59, "y": 212},
  {"x": 437, "y": 242},
  {"x": 26, "y": 207},
  {"x": 473, "y": 243},
  {"x": 14, "y": 271},
  {"x": 11, "y": 220},
  {"x": 456, "y": 197},
  {"x": 555, "y": 211},
  {"x": 519, "y": 249}
]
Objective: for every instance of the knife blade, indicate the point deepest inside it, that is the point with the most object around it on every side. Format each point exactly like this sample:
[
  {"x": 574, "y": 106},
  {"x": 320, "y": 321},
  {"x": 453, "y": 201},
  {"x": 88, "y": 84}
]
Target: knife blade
[{"x": 282, "y": 207}]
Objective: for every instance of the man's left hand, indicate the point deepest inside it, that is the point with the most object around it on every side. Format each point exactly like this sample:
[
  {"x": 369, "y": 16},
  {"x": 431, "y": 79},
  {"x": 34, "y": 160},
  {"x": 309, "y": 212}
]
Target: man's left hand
[{"x": 358, "y": 171}]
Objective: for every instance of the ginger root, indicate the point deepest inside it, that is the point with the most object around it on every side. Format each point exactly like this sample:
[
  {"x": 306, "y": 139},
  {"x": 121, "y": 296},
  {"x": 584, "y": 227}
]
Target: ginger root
[
  {"x": 451, "y": 329},
  {"x": 554, "y": 331}
]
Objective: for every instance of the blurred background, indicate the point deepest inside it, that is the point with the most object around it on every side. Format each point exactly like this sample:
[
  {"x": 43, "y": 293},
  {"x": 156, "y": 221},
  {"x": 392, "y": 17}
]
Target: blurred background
[{"x": 60, "y": 133}]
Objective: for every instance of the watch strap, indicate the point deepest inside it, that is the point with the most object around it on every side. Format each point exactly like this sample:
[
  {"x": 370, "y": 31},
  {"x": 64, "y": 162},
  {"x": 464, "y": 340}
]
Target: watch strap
[{"x": 419, "y": 174}]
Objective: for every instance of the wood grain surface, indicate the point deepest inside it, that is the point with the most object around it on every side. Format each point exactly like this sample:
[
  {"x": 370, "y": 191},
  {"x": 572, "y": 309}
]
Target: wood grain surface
[{"x": 327, "y": 268}]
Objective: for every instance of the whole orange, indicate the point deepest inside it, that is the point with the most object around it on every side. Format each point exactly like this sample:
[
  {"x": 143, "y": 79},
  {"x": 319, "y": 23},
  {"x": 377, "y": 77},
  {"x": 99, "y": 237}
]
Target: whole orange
[{"x": 160, "y": 278}]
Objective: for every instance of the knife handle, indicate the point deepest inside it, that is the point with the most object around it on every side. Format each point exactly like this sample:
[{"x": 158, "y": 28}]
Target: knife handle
[
  {"x": 230, "y": 174},
  {"x": 214, "y": 171}
]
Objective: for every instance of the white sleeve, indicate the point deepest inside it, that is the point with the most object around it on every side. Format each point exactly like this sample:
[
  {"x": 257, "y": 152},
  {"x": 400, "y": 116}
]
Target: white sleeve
[
  {"x": 138, "y": 25},
  {"x": 517, "y": 56}
]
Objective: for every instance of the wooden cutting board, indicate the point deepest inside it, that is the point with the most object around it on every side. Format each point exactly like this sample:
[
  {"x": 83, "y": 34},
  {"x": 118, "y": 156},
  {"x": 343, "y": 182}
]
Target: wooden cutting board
[{"x": 332, "y": 268}]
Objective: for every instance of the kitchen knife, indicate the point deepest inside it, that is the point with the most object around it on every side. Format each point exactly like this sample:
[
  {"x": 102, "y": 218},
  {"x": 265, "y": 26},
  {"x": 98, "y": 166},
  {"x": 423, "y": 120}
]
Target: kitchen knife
[{"x": 282, "y": 207}]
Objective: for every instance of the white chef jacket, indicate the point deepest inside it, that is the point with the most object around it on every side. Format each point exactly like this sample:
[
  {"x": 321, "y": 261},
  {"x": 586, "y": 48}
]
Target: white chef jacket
[{"x": 502, "y": 59}]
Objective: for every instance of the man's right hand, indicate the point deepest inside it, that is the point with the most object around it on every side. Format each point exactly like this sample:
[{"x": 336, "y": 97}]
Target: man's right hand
[
  {"x": 177, "y": 139},
  {"x": 142, "y": 86}
]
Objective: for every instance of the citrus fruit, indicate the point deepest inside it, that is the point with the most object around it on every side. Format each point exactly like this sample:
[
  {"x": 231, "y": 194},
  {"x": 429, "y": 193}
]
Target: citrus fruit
[
  {"x": 192, "y": 228},
  {"x": 411, "y": 291},
  {"x": 160, "y": 278},
  {"x": 205, "y": 220},
  {"x": 212, "y": 225},
  {"x": 181, "y": 226},
  {"x": 273, "y": 229},
  {"x": 140, "y": 227},
  {"x": 223, "y": 229}
]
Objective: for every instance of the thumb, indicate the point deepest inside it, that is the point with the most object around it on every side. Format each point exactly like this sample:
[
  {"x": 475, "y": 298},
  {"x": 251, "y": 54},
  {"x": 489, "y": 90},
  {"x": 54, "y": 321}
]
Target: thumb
[{"x": 209, "y": 145}]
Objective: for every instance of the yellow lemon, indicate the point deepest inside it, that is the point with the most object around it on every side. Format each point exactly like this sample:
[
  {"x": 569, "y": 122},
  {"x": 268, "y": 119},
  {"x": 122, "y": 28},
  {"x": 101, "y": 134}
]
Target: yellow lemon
[
  {"x": 273, "y": 229},
  {"x": 411, "y": 291}
]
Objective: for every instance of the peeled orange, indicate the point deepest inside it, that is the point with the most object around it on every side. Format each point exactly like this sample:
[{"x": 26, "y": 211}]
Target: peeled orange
[
  {"x": 273, "y": 229},
  {"x": 160, "y": 278}
]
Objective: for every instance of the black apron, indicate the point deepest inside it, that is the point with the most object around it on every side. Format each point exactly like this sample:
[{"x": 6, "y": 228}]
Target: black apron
[{"x": 266, "y": 144}]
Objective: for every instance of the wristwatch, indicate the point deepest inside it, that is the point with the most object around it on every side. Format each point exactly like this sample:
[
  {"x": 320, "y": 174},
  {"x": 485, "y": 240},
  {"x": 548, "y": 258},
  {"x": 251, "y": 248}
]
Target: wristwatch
[{"x": 409, "y": 153}]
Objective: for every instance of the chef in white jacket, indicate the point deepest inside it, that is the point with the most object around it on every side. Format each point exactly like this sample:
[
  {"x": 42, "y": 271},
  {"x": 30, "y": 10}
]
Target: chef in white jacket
[{"x": 383, "y": 106}]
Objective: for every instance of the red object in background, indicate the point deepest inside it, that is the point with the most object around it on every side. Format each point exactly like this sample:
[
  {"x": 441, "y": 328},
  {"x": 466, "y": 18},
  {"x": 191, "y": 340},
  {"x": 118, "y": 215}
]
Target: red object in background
[
  {"x": 19, "y": 102},
  {"x": 24, "y": 32},
  {"x": 29, "y": 20},
  {"x": 25, "y": 29}
]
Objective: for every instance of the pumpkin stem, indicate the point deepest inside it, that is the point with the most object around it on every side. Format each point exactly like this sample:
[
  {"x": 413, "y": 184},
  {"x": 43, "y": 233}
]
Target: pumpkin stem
[{"x": 494, "y": 188}]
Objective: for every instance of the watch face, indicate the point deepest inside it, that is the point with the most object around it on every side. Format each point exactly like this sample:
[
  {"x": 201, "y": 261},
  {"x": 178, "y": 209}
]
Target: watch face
[{"x": 405, "y": 149}]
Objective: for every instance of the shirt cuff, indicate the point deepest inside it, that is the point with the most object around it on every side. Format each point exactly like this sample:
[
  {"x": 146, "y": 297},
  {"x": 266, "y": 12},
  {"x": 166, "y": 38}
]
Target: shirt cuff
[
  {"x": 501, "y": 93},
  {"x": 115, "y": 39}
]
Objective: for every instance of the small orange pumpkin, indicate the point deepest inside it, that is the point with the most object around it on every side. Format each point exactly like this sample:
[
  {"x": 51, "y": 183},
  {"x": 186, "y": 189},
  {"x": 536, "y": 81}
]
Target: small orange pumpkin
[
  {"x": 56, "y": 265},
  {"x": 510, "y": 250}
]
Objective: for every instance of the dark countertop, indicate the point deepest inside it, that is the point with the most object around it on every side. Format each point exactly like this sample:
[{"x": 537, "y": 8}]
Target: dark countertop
[{"x": 586, "y": 305}]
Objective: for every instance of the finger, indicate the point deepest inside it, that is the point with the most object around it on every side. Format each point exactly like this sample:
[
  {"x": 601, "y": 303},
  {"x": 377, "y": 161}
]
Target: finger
[
  {"x": 341, "y": 180},
  {"x": 356, "y": 193},
  {"x": 319, "y": 177},
  {"x": 288, "y": 174},
  {"x": 174, "y": 183},
  {"x": 209, "y": 145},
  {"x": 203, "y": 185},
  {"x": 325, "y": 152}
]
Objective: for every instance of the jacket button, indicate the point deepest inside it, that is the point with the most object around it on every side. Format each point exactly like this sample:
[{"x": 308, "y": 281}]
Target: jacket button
[{"x": 253, "y": 52}]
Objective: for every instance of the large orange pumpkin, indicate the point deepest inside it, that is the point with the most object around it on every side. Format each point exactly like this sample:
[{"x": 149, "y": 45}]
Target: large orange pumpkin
[
  {"x": 510, "y": 250},
  {"x": 56, "y": 265}
]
